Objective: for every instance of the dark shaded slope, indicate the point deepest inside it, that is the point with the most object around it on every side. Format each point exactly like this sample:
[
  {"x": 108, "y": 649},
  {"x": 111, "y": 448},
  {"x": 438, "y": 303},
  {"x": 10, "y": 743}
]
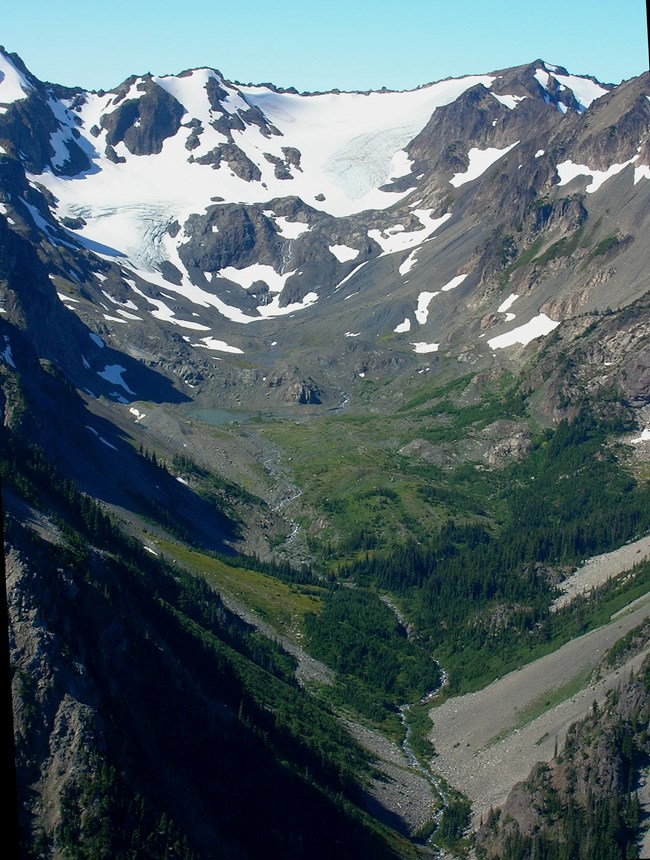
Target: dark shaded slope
[{"x": 140, "y": 700}]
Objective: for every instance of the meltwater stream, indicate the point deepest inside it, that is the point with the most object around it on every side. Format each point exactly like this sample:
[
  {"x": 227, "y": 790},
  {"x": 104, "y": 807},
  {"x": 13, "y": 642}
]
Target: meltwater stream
[{"x": 411, "y": 757}]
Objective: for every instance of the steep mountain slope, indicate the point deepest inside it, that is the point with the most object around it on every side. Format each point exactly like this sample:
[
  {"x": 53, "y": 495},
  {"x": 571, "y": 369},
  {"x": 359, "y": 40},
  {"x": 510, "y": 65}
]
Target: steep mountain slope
[
  {"x": 148, "y": 719},
  {"x": 586, "y": 804},
  {"x": 390, "y": 340},
  {"x": 213, "y": 215}
]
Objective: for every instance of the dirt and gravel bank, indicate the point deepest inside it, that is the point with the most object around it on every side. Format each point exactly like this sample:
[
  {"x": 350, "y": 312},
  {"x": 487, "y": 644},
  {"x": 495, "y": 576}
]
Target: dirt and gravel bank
[
  {"x": 596, "y": 571},
  {"x": 489, "y": 740},
  {"x": 402, "y": 797}
]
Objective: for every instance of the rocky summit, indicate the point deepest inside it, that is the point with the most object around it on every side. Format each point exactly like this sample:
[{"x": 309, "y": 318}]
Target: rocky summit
[
  {"x": 256, "y": 343},
  {"x": 209, "y": 226}
]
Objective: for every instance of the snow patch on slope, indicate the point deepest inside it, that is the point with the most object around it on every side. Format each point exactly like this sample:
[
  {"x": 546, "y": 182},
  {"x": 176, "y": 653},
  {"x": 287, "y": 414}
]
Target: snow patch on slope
[
  {"x": 403, "y": 326},
  {"x": 6, "y": 355},
  {"x": 396, "y": 238},
  {"x": 644, "y": 437},
  {"x": 510, "y": 102},
  {"x": 585, "y": 90},
  {"x": 14, "y": 86},
  {"x": 343, "y": 253},
  {"x": 422, "y": 347},
  {"x": 539, "y": 326},
  {"x": 508, "y": 303},
  {"x": 425, "y": 297},
  {"x": 257, "y": 272},
  {"x": 543, "y": 78},
  {"x": 641, "y": 172},
  {"x": 408, "y": 263},
  {"x": 165, "y": 314},
  {"x": 287, "y": 229},
  {"x": 290, "y": 229},
  {"x": 568, "y": 171},
  {"x": 479, "y": 161},
  {"x": 273, "y": 309},
  {"x": 113, "y": 373},
  {"x": 352, "y": 273},
  {"x": 218, "y": 345},
  {"x": 455, "y": 282},
  {"x": 422, "y": 310},
  {"x": 96, "y": 339}
]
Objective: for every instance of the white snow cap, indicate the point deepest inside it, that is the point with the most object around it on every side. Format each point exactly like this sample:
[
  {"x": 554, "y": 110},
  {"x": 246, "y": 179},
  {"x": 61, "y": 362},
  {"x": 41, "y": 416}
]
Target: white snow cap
[
  {"x": 14, "y": 86},
  {"x": 584, "y": 89}
]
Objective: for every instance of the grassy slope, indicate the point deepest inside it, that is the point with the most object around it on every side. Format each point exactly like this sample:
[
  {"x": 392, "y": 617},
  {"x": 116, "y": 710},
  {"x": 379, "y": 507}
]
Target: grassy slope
[
  {"x": 367, "y": 493},
  {"x": 283, "y": 606}
]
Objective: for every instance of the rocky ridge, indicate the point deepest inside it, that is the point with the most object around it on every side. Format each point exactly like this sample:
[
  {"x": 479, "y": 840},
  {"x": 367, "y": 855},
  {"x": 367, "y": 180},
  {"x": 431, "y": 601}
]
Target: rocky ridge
[{"x": 227, "y": 278}]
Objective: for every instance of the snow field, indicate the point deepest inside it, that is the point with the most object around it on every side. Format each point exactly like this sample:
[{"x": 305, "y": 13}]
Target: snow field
[
  {"x": 343, "y": 253},
  {"x": 350, "y": 144},
  {"x": 479, "y": 161},
  {"x": 113, "y": 373},
  {"x": 14, "y": 86},
  {"x": 568, "y": 171},
  {"x": 539, "y": 326},
  {"x": 396, "y": 238}
]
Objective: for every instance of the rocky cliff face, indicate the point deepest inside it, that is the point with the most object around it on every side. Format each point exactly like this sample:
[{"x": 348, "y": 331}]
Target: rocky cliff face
[
  {"x": 136, "y": 732},
  {"x": 55, "y": 701}
]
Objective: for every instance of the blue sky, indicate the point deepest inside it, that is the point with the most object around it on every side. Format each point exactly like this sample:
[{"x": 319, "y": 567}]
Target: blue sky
[{"x": 345, "y": 44}]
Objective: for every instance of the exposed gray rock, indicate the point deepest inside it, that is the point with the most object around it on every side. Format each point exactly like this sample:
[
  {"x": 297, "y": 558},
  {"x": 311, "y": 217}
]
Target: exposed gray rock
[
  {"x": 281, "y": 171},
  {"x": 292, "y": 389},
  {"x": 143, "y": 124},
  {"x": 235, "y": 158}
]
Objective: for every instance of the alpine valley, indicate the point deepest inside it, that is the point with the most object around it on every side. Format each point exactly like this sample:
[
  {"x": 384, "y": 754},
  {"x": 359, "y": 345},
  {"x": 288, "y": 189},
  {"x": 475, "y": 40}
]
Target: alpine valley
[{"x": 325, "y": 460}]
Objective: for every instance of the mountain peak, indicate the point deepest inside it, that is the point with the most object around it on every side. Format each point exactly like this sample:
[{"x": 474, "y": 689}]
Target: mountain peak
[{"x": 251, "y": 202}]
